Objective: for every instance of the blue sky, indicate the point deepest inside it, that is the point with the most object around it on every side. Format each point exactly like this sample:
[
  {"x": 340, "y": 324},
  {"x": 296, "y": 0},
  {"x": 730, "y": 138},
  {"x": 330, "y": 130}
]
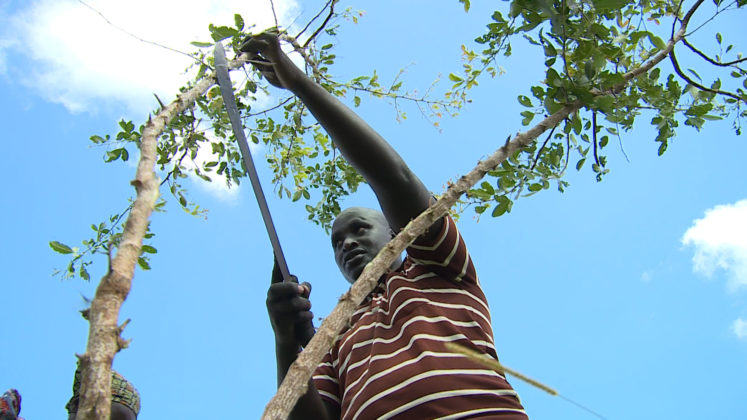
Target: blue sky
[{"x": 627, "y": 296}]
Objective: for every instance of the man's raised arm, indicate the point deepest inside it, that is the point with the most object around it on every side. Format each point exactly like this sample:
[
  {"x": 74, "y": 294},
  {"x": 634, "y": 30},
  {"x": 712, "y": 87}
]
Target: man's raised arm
[{"x": 401, "y": 194}]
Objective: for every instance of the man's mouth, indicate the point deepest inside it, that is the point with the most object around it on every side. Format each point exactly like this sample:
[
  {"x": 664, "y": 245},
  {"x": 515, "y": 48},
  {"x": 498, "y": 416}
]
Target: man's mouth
[{"x": 353, "y": 255}]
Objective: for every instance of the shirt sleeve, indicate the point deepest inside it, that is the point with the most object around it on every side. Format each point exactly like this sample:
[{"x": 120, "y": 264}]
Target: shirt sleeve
[
  {"x": 446, "y": 255},
  {"x": 326, "y": 380}
]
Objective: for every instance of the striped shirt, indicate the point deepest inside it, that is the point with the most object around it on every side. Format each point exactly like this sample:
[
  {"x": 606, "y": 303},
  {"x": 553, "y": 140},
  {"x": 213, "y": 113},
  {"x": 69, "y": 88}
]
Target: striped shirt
[{"x": 392, "y": 363}]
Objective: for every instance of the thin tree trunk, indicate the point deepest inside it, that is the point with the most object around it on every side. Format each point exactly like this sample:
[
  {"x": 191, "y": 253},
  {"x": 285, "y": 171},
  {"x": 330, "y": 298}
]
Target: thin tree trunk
[
  {"x": 294, "y": 384},
  {"x": 104, "y": 339}
]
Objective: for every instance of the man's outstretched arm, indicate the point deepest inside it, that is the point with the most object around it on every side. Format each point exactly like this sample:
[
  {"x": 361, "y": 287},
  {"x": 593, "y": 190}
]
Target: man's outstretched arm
[{"x": 400, "y": 192}]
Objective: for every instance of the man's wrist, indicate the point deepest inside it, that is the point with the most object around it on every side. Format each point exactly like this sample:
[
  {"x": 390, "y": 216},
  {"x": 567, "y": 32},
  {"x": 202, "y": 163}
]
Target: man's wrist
[{"x": 284, "y": 341}]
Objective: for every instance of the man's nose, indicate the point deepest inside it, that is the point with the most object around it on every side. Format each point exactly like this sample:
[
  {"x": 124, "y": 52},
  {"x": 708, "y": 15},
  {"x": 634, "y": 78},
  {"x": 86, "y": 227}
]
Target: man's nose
[{"x": 349, "y": 243}]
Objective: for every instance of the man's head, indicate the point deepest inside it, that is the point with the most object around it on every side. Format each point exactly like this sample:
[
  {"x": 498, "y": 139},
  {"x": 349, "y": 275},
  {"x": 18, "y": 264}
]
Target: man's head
[{"x": 358, "y": 234}]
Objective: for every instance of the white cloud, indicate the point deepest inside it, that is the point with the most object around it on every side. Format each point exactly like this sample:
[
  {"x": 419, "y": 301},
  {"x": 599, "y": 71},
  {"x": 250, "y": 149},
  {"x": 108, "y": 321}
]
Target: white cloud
[
  {"x": 79, "y": 60},
  {"x": 720, "y": 241},
  {"x": 739, "y": 328}
]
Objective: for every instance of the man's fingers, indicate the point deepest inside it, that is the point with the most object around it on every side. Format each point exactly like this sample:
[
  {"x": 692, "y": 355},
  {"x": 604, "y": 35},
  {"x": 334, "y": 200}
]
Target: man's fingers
[
  {"x": 277, "y": 275},
  {"x": 282, "y": 290},
  {"x": 306, "y": 289},
  {"x": 254, "y": 44}
]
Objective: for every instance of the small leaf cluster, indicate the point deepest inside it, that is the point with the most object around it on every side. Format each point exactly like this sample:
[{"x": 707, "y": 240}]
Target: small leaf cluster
[
  {"x": 591, "y": 50},
  {"x": 105, "y": 240}
]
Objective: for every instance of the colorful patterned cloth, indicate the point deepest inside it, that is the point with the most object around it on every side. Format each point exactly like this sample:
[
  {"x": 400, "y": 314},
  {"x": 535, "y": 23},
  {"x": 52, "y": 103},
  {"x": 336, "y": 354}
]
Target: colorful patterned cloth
[
  {"x": 122, "y": 392},
  {"x": 10, "y": 405}
]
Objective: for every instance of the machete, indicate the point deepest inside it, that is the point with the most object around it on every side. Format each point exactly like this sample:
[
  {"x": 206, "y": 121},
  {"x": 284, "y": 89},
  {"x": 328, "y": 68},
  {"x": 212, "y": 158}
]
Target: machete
[{"x": 226, "y": 90}]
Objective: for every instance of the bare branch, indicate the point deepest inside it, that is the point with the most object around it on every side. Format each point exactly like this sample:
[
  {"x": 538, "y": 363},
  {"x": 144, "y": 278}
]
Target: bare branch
[
  {"x": 709, "y": 59},
  {"x": 141, "y": 39},
  {"x": 331, "y": 5},
  {"x": 274, "y": 15}
]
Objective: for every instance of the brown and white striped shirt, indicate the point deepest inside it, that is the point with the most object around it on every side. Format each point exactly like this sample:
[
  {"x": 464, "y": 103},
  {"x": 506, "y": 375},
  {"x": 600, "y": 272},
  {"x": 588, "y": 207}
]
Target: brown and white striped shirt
[{"x": 392, "y": 363}]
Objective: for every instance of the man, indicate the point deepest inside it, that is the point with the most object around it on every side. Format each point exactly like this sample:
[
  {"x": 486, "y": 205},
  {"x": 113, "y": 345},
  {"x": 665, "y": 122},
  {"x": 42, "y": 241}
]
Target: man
[{"x": 391, "y": 362}]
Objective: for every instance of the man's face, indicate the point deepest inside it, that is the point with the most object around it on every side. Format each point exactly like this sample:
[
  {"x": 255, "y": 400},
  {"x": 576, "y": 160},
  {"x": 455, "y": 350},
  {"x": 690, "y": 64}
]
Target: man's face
[{"x": 358, "y": 234}]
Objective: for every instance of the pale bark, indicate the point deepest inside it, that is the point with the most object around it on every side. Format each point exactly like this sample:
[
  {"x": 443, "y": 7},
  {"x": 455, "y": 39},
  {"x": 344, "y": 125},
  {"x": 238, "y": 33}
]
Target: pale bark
[
  {"x": 104, "y": 339},
  {"x": 294, "y": 384}
]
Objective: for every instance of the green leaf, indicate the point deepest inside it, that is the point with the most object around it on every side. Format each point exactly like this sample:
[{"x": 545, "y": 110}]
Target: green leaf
[
  {"x": 201, "y": 44},
  {"x": 658, "y": 42},
  {"x": 487, "y": 186},
  {"x": 454, "y": 78},
  {"x": 535, "y": 187},
  {"x": 113, "y": 155},
  {"x": 525, "y": 101},
  {"x": 718, "y": 37},
  {"x": 609, "y": 4},
  {"x": 357, "y": 101},
  {"x": 466, "y": 4},
  {"x": 239, "y": 21},
  {"x": 604, "y": 103},
  {"x": 528, "y": 116},
  {"x": 149, "y": 249},
  {"x": 124, "y": 155},
  {"x": 504, "y": 205},
  {"x": 580, "y": 164},
  {"x": 219, "y": 33},
  {"x": 83, "y": 273},
  {"x": 143, "y": 263},
  {"x": 662, "y": 148},
  {"x": 59, "y": 247}
]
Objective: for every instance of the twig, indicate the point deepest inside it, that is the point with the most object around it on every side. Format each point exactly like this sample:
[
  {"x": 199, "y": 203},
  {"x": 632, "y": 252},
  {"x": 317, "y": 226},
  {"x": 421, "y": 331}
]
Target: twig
[
  {"x": 274, "y": 15},
  {"x": 499, "y": 367},
  {"x": 709, "y": 59},
  {"x": 620, "y": 141},
  {"x": 680, "y": 73},
  {"x": 711, "y": 18},
  {"x": 141, "y": 39},
  {"x": 594, "y": 136},
  {"x": 539, "y": 152},
  {"x": 331, "y": 4}
]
